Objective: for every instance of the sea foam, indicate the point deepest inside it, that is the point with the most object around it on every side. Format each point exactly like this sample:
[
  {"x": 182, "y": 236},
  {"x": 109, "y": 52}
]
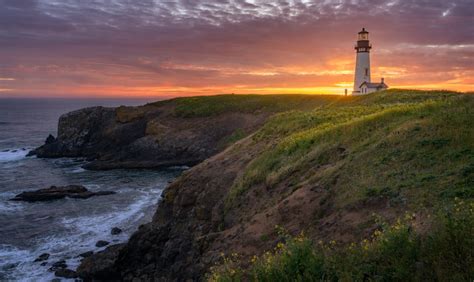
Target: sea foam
[{"x": 13, "y": 155}]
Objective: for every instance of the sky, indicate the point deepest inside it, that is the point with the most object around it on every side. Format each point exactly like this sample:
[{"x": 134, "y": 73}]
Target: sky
[{"x": 148, "y": 48}]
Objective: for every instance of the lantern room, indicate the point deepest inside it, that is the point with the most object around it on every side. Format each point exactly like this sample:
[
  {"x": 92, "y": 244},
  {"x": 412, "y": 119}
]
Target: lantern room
[
  {"x": 363, "y": 35},
  {"x": 363, "y": 44}
]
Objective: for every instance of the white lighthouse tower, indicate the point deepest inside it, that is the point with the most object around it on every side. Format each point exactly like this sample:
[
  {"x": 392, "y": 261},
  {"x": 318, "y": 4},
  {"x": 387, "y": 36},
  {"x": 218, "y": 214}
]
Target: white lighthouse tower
[{"x": 362, "y": 81}]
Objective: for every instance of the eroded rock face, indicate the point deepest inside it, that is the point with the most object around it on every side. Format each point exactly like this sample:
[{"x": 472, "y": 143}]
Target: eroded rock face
[
  {"x": 100, "y": 266},
  {"x": 66, "y": 273},
  {"x": 143, "y": 137},
  {"x": 192, "y": 226},
  {"x": 80, "y": 134},
  {"x": 56, "y": 193}
]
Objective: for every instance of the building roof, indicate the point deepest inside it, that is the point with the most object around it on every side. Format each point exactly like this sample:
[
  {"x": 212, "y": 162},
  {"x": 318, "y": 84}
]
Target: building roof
[{"x": 374, "y": 85}]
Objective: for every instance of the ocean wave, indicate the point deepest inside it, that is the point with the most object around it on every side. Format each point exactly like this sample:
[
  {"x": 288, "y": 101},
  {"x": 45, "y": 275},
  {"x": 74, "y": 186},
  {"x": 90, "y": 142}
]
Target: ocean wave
[
  {"x": 13, "y": 155},
  {"x": 18, "y": 265},
  {"x": 82, "y": 235},
  {"x": 94, "y": 228},
  {"x": 7, "y": 206},
  {"x": 78, "y": 170}
]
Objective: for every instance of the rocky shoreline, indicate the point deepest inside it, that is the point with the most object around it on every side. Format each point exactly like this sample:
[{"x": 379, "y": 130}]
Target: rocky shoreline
[
  {"x": 104, "y": 259},
  {"x": 301, "y": 172},
  {"x": 150, "y": 136}
]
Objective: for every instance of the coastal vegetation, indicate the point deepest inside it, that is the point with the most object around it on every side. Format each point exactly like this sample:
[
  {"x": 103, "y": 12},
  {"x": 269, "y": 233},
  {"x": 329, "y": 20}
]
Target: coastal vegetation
[
  {"x": 411, "y": 151},
  {"x": 393, "y": 253}
]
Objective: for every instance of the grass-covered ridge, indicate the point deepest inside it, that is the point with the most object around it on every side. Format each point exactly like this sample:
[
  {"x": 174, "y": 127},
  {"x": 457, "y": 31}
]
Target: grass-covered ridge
[
  {"x": 394, "y": 152},
  {"x": 205, "y": 106},
  {"x": 412, "y": 146}
]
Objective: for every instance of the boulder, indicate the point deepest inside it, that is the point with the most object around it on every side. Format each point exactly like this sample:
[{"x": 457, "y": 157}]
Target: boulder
[
  {"x": 86, "y": 254},
  {"x": 115, "y": 231},
  {"x": 42, "y": 257},
  {"x": 56, "y": 193},
  {"x": 58, "y": 265},
  {"x": 101, "y": 244},
  {"x": 100, "y": 266},
  {"x": 66, "y": 273}
]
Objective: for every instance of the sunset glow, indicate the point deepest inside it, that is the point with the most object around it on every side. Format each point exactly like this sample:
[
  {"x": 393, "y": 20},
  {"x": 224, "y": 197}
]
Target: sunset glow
[{"x": 181, "y": 48}]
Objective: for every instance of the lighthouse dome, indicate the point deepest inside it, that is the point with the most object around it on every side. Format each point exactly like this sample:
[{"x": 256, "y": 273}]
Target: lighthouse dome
[{"x": 363, "y": 35}]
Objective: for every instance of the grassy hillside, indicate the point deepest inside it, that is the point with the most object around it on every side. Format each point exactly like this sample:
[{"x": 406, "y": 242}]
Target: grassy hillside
[
  {"x": 204, "y": 106},
  {"x": 397, "y": 152},
  {"x": 396, "y": 144}
]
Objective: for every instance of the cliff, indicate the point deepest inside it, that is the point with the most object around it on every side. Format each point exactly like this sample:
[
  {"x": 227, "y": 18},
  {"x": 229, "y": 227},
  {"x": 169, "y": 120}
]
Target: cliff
[
  {"x": 176, "y": 132},
  {"x": 327, "y": 166}
]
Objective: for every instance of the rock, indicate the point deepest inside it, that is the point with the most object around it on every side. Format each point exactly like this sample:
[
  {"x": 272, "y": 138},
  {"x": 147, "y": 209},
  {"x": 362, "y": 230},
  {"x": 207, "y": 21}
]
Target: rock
[
  {"x": 50, "y": 139},
  {"x": 48, "y": 194},
  {"x": 86, "y": 254},
  {"x": 101, "y": 244},
  {"x": 66, "y": 273},
  {"x": 115, "y": 231},
  {"x": 149, "y": 136},
  {"x": 58, "y": 265},
  {"x": 100, "y": 266},
  {"x": 56, "y": 193},
  {"x": 89, "y": 194},
  {"x": 42, "y": 257}
]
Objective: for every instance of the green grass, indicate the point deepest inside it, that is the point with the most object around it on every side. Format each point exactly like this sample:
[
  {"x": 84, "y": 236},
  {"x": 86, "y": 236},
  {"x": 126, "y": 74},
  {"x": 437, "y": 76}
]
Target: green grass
[
  {"x": 220, "y": 104},
  {"x": 414, "y": 145},
  {"x": 234, "y": 137},
  {"x": 393, "y": 253}
]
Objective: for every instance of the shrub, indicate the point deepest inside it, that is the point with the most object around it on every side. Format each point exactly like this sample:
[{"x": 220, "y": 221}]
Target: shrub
[{"x": 393, "y": 253}]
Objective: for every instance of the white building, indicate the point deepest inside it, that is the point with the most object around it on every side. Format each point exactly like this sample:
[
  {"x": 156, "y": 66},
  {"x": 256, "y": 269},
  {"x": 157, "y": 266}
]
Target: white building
[{"x": 362, "y": 81}]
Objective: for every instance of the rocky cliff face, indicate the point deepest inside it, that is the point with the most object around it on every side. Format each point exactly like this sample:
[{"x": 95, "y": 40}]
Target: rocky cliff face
[
  {"x": 331, "y": 173},
  {"x": 149, "y": 136},
  {"x": 193, "y": 226}
]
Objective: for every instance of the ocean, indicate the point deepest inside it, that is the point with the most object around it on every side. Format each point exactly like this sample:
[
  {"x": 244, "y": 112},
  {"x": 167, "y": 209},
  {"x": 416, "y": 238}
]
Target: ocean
[{"x": 62, "y": 228}]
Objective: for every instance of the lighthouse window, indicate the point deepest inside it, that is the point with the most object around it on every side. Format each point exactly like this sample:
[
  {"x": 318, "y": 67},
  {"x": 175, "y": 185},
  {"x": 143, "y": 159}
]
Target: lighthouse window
[{"x": 366, "y": 72}]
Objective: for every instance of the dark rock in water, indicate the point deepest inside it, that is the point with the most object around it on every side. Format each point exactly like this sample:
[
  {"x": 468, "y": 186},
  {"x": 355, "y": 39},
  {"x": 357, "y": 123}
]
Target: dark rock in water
[
  {"x": 51, "y": 193},
  {"x": 55, "y": 280},
  {"x": 115, "y": 231},
  {"x": 44, "y": 263},
  {"x": 42, "y": 257},
  {"x": 66, "y": 273},
  {"x": 50, "y": 139},
  {"x": 55, "y": 193},
  {"x": 86, "y": 254},
  {"x": 58, "y": 265},
  {"x": 101, "y": 244},
  {"x": 100, "y": 266}
]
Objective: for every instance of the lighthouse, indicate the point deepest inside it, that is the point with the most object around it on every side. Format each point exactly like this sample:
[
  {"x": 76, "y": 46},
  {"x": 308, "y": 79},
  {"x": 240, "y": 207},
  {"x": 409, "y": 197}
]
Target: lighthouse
[{"x": 362, "y": 79}]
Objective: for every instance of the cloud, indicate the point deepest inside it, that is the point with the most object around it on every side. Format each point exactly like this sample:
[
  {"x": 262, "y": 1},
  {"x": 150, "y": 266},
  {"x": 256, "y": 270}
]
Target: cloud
[{"x": 56, "y": 45}]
